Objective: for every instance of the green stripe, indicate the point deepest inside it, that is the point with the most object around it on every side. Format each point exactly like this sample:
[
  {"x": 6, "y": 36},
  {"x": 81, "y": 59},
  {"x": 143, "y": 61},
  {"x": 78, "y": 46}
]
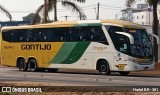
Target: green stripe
[
  {"x": 64, "y": 52},
  {"x": 76, "y": 53}
]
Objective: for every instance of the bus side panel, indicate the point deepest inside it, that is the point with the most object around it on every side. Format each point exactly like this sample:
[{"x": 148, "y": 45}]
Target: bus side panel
[
  {"x": 69, "y": 54},
  {"x": 10, "y": 52},
  {"x": 48, "y": 56},
  {"x": 94, "y": 52}
]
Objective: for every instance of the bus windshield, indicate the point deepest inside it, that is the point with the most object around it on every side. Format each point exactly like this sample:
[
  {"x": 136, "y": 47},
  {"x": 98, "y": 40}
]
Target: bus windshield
[{"x": 142, "y": 46}]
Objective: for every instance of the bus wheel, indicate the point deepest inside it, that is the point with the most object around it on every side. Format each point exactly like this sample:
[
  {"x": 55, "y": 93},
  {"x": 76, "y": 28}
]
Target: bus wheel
[
  {"x": 103, "y": 68},
  {"x": 32, "y": 65},
  {"x": 22, "y": 65},
  {"x": 124, "y": 73},
  {"x": 52, "y": 70}
]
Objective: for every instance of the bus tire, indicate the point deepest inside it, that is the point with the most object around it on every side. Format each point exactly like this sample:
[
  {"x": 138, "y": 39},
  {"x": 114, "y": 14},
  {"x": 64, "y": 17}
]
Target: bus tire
[
  {"x": 124, "y": 73},
  {"x": 32, "y": 65},
  {"x": 22, "y": 65},
  {"x": 103, "y": 68},
  {"x": 53, "y": 70}
]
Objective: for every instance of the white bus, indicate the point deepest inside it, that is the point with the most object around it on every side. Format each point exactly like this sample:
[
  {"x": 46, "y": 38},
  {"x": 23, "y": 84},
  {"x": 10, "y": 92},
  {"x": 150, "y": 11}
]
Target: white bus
[{"x": 103, "y": 45}]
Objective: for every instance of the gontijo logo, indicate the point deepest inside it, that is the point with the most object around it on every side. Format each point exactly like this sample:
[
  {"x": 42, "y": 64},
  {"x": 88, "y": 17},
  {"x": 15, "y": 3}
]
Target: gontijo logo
[{"x": 35, "y": 47}]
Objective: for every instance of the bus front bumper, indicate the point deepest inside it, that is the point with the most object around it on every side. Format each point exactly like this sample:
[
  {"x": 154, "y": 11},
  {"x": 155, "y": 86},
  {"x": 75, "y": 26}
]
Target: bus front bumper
[{"x": 142, "y": 67}]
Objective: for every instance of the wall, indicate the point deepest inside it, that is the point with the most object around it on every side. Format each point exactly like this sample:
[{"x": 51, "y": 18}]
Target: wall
[{"x": 143, "y": 18}]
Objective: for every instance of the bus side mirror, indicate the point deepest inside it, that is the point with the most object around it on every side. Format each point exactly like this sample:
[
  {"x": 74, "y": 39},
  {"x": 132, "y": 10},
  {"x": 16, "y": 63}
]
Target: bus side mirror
[
  {"x": 128, "y": 35},
  {"x": 157, "y": 38}
]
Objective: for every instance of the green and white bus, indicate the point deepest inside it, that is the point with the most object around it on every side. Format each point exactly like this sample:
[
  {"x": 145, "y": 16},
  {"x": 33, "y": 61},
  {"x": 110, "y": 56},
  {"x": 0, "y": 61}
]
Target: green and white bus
[{"x": 103, "y": 45}]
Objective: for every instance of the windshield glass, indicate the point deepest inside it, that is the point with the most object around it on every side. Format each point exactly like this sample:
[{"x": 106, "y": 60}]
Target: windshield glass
[
  {"x": 142, "y": 45},
  {"x": 120, "y": 42}
]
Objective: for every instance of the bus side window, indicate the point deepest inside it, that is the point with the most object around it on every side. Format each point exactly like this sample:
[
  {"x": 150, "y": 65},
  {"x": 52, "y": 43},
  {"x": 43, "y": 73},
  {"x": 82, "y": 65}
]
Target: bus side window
[
  {"x": 21, "y": 36},
  {"x": 81, "y": 34},
  {"x": 119, "y": 41},
  {"x": 89, "y": 34},
  {"x": 62, "y": 32},
  {"x": 16, "y": 36},
  {"x": 7, "y": 35},
  {"x": 56, "y": 31},
  {"x": 68, "y": 35},
  {"x": 30, "y": 36},
  {"x": 97, "y": 35},
  {"x": 74, "y": 34},
  {"x": 50, "y": 35},
  {"x": 24, "y": 35},
  {"x": 41, "y": 35}
]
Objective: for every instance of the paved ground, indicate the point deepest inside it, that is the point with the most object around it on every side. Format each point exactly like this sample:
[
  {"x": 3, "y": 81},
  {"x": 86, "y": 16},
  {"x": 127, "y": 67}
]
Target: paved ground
[
  {"x": 82, "y": 79},
  {"x": 72, "y": 78}
]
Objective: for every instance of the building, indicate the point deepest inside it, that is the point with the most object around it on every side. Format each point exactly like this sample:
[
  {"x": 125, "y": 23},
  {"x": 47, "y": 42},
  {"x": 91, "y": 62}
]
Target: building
[
  {"x": 144, "y": 17},
  {"x": 142, "y": 14}
]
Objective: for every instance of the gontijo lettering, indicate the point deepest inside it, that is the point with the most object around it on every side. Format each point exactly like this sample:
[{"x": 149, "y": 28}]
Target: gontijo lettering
[{"x": 35, "y": 47}]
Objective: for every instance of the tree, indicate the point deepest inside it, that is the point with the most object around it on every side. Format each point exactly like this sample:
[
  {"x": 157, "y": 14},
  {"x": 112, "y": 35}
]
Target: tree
[
  {"x": 50, "y": 5},
  {"x": 153, "y": 3},
  {"x": 6, "y": 12}
]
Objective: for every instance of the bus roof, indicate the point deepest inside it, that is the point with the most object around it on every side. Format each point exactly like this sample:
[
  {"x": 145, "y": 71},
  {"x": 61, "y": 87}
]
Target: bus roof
[
  {"x": 121, "y": 23},
  {"x": 125, "y": 24},
  {"x": 46, "y": 25}
]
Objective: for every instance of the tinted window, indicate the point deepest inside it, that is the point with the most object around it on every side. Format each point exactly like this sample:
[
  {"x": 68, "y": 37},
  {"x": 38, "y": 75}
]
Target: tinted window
[
  {"x": 7, "y": 36},
  {"x": 94, "y": 34},
  {"x": 120, "y": 41},
  {"x": 71, "y": 34}
]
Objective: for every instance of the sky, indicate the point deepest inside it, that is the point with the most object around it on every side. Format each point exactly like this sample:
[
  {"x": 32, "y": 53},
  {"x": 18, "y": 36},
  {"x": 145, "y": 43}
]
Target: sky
[{"x": 21, "y": 8}]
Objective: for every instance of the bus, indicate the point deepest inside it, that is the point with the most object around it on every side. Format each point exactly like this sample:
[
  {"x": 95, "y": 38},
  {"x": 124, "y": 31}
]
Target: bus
[{"x": 103, "y": 45}]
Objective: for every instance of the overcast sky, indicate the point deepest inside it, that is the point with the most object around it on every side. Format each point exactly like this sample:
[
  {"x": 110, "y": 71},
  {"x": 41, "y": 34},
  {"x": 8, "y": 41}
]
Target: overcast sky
[{"x": 21, "y": 8}]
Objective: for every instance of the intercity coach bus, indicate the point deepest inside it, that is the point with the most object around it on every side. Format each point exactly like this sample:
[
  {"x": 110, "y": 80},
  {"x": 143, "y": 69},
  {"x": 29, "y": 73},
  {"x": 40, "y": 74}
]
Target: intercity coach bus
[{"x": 103, "y": 45}]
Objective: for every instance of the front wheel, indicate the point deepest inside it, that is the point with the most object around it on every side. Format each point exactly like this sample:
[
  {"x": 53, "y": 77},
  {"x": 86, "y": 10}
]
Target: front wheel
[
  {"x": 124, "y": 73},
  {"x": 22, "y": 65},
  {"x": 32, "y": 65},
  {"x": 104, "y": 68}
]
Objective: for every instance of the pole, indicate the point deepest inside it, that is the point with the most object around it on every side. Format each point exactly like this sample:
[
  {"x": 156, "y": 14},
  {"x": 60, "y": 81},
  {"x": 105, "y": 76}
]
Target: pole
[
  {"x": 98, "y": 12},
  {"x": 95, "y": 13},
  {"x": 45, "y": 11},
  {"x": 149, "y": 9},
  {"x": 66, "y": 17},
  {"x": 80, "y": 17},
  {"x": 116, "y": 16}
]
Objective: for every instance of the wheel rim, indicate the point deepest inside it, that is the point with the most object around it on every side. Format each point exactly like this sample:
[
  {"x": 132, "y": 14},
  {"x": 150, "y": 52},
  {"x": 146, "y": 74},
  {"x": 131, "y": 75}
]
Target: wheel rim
[
  {"x": 103, "y": 68},
  {"x": 32, "y": 65},
  {"x": 22, "y": 65}
]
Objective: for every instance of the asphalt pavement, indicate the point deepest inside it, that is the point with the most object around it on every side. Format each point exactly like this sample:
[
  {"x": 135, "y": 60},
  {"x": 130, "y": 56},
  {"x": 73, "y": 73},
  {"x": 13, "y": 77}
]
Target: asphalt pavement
[{"x": 79, "y": 78}]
